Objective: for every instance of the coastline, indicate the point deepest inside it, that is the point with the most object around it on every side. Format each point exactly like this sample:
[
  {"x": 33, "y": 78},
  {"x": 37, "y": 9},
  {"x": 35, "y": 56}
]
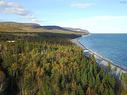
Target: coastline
[{"x": 100, "y": 60}]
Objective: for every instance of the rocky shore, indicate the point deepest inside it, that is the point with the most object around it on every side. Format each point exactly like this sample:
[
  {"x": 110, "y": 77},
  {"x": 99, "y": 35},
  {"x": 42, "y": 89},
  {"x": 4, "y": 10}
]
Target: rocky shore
[{"x": 101, "y": 61}]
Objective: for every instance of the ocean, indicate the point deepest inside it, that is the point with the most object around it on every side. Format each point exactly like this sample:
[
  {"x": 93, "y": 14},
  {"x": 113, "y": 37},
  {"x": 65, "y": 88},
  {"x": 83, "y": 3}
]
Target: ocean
[{"x": 110, "y": 46}]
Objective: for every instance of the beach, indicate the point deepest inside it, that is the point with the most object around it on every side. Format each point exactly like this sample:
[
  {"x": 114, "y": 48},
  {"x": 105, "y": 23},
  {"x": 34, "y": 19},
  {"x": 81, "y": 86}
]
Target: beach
[{"x": 101, "y": 61}]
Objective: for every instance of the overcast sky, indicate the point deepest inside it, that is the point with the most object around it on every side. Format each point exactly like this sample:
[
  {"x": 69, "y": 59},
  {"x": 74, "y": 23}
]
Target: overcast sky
[{"x": 100, "y": 16}]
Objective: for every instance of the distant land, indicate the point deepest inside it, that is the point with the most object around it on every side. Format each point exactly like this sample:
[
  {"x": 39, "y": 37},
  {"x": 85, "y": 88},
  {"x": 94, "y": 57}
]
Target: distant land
[
  {"x": 14, "y": 30},
  {"x": 33, "y": 27}
]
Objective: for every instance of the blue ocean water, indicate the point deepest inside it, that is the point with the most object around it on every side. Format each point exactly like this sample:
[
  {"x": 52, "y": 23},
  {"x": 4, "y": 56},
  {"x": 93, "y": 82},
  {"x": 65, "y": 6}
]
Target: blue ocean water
[{"x": 111, "y": 46}]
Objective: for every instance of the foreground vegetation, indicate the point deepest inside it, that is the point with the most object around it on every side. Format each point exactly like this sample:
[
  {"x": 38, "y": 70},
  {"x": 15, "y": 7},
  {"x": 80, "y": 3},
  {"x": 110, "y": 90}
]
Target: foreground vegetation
[{"x": 51, "y": 67}]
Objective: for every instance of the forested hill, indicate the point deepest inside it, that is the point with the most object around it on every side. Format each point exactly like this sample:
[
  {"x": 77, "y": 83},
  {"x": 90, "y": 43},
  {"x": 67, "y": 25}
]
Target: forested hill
[{"x": 33, "y": 27}]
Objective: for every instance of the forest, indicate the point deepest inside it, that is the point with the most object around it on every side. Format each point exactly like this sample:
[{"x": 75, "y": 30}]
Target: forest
[
  {"x": 48, "y": 63},
  {"x": 51, "y": 67}
]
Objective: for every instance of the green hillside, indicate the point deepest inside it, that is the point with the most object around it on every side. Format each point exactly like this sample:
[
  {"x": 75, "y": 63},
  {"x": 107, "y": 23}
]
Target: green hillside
[{"x": 32, "y": 27}]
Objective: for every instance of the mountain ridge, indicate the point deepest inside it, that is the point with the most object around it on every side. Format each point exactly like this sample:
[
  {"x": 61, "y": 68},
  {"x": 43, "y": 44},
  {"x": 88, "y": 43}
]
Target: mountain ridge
[{"x": 25, "y": 27}]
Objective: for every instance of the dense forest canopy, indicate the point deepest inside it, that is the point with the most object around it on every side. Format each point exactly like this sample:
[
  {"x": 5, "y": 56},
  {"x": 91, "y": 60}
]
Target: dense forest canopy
[{"x": 51, "y": 67}]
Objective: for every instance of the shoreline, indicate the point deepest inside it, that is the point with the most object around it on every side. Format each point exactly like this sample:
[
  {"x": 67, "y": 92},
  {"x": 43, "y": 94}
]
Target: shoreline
[{"x": 100, "y": 60}]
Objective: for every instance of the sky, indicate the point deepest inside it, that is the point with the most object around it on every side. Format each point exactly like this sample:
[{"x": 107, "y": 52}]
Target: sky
[{"x": 96, "y": 16}]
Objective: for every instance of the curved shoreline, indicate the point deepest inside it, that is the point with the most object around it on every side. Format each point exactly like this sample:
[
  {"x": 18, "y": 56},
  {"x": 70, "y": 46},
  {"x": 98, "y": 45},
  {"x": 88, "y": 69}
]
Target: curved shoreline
[{"x": 100, "y": 60}]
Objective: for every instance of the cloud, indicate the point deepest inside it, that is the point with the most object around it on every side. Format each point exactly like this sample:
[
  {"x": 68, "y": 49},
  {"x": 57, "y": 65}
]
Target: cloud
[
  {"x": 81, "y": 5},
  {"x": 12, "y": 8},
  {"x": 33, "y": 19},
  {"x": 100, "y": 24},
  {"x": 17, "y": 9},
  {"x": 9, "y": 4}
]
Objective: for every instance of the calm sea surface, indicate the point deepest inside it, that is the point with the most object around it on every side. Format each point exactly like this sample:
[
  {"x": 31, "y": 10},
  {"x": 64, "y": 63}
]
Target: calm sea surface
[{"x": 111, "y": 46}]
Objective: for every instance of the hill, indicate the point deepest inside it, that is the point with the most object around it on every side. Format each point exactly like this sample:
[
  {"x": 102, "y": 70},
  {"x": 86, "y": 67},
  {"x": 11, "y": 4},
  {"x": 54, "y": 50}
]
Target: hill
[{"x": 33, "y": 27}]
